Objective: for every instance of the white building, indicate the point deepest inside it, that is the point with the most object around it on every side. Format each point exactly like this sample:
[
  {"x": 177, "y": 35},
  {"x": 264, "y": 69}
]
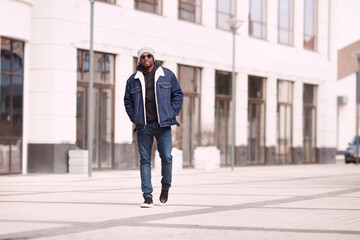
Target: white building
[
  {"x": 285, "y": 79},
  {"x": 346, "y": 92}
]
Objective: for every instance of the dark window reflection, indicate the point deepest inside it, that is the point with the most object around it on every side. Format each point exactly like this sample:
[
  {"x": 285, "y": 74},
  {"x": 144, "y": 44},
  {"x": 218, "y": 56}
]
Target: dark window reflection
[
  {"x": 223, "y": 83},
  {"x": 104, "y": 67},
  {"x": 256, "y": 88},
  {"x": 5, "y": 105},
  {"x": 17, "y": 106},
  {"x": 309, "y": 94},
  {"x": 11, "y": 104},
  {"x": 5, "y": 55}
]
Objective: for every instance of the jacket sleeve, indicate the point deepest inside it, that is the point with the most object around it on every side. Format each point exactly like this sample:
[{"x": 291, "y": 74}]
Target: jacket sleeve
[
  {"x": 129, "y": 101},
  {"x": 176, "y": 95}
]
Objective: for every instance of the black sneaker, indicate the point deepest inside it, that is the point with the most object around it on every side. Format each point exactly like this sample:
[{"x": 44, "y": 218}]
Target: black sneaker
[
  {"x": 148, "y": 203},
  {"x": 164, "y": 197}
]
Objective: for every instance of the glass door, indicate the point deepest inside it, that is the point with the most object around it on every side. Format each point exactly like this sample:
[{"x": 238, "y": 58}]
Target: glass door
[
  {"x": 102, "y": 107},
  {"x": 11, "y": 105},
  {"x": 223, "y": 105},
  {"x": 256, "y": 134},
  {"x": 187, "y": 137},
  {"x": 256, "y": 120},
  {"x": 222, "y": 132},
  {"x": 189, "y": 128},
  {"x": 102, "y": 125},
  {"x": 309, "y": 135},
  {"x": 284, "y": 123}
]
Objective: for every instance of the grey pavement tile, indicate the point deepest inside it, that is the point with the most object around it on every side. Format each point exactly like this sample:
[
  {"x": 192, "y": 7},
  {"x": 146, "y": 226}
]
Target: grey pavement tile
[{"x": 270, "y": 202}]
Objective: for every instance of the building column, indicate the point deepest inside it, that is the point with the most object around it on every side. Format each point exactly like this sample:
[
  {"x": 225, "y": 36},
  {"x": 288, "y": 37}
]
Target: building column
[
  {"x": 270, "y": 124},
  {"x": 124, "y": 157},
  {"x": 52, "y": 108},
  {"x": 207, "y": 106},
  {"x": 241, "y": 119},
  {"x": 298, "y": 120},
  {"x": 326, "y": 122}
]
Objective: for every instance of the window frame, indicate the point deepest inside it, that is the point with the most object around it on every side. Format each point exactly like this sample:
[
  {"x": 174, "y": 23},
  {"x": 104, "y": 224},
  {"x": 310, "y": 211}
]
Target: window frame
[
  {"x": 290, "y": 30},
  {"x": 258, "y": 102},
  {"x": 263, "y": 22},
  {"x": 157, "y": 6},
  {"x": 232, "y": 14},
  {"x": 108, "y": 71},
  {"x": 314, "y": 35},
  {"x": 197, "y": 10},
  {"x": 107, "y": 1}
]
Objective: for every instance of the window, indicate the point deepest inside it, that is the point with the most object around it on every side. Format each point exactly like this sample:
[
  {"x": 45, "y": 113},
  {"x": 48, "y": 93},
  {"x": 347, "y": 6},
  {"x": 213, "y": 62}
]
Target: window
[
  {"x": 257, "y": 19},
  {"x": 310, "y": 24},
  {"x": 309, "y": 137},
  {"x": 190, "y": 10},
  {"x": 223, "y": 106},
  {"x": 256, "y": 120},
  {"x": 225, "y": 9},
  {"x": 187, "y": 136},
  {"x": 153, "y": 6},
  {"x": 103, "y": 67},
  {"x": 284, "y": 123},
  {"x": 108, "y": 1},
  {"x": 285, "y": 22},
  {"x": 102, "y": 106},
  {"x": 11, "y": 104}
]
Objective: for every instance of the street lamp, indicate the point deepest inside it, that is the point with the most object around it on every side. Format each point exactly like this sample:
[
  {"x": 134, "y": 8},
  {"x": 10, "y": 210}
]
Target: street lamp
[
  {"x": 90, "y": 97},
  {"x": 234, "y": 25},
  {"x": 357, "y": 55}
]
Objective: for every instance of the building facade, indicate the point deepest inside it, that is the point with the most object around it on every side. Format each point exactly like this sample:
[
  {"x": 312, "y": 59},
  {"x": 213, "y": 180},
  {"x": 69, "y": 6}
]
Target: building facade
[
  {"x": 285, "y": 110},
  {"x": 346, "y": 95}
]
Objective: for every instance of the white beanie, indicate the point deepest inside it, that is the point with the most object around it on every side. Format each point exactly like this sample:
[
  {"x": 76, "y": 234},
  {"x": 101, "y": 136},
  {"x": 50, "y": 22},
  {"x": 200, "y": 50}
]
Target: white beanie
[{"x": 144, "y": 50}]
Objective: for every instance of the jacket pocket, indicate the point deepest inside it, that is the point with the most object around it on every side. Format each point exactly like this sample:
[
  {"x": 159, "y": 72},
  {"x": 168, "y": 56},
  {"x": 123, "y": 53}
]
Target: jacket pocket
[
  {"x": 135, "y": 90},
  {"x": 165, "y": 89}
]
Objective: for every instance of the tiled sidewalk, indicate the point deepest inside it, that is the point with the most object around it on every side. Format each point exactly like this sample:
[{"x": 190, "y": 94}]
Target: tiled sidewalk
[{"x": 270, "y": 202}]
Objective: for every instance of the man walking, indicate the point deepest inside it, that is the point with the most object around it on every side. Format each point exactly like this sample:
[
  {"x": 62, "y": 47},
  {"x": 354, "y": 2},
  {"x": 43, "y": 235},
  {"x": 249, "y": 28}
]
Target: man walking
[{"x": 153, "y": 99}]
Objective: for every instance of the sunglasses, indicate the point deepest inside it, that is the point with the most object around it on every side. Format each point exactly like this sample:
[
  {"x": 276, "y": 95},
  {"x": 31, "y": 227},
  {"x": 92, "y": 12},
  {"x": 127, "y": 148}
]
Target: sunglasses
[{"x": 144, "y": 56}]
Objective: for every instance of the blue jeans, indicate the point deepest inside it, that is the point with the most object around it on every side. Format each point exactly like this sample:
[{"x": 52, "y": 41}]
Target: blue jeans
[{"x": 164, "y": 143}]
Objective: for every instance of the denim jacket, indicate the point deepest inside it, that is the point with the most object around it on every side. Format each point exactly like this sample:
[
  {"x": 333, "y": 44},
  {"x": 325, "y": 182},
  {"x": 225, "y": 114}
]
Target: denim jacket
[{"x": 168, "y": 97}]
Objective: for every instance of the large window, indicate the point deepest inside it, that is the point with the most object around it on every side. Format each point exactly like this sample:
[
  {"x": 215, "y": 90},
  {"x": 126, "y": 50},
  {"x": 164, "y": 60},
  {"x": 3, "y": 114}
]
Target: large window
[
  {"x": 284, "y": 122},
  {"x": 257, "y": 18},
  {"x": 225, "y": 9},
  {"x": 256, "y": 120},
  {"x": 11, "y": 104},
  {"x": 153, "y": 6},
  {"x": 223, "y": 106},
  {"x": 309, "y": 138},
  {"x": 285, "y": 22},
  {"x": 190, "y": 10},
  {"x": 102, "y": 106},
  {"x": 187, "y": 136},
  {"x": 310, "y": 24}
]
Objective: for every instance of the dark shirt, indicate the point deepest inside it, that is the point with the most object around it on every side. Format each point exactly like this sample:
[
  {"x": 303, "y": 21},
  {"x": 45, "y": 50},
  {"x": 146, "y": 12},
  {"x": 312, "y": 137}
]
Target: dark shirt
[{"x": 150, "y": 103}]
